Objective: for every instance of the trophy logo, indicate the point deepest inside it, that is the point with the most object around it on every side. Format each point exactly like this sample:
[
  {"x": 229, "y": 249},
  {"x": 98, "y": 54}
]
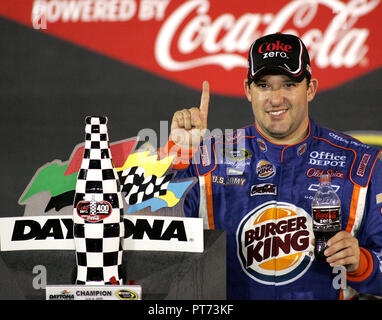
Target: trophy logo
[{"x": 93, "y": 211}]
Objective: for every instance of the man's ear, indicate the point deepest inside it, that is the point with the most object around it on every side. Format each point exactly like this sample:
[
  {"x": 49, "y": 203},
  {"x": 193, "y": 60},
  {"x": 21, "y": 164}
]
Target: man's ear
[
  {"x": 247, "y": 90},
  {"x": 312, "y": 89}
]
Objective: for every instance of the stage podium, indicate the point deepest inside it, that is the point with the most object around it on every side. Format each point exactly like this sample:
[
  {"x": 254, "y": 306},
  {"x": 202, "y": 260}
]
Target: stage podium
[{"x": 162, "y": 274}]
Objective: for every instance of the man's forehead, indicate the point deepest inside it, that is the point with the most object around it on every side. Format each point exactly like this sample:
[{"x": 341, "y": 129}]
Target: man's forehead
[{"x": 274, "y": 76}]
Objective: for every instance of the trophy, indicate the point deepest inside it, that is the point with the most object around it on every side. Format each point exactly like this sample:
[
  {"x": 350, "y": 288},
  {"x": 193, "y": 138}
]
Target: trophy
[
  {"x": 98, "y": 226},
  {"x": 98, "y": 211}
]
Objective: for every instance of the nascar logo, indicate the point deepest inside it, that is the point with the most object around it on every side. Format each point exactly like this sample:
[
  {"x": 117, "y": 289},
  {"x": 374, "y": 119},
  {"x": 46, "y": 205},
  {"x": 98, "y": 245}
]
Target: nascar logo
[{"x": 273, "y": 243}]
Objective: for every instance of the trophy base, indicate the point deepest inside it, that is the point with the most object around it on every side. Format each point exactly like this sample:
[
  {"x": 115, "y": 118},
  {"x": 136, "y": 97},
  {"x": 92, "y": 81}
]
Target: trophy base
[{"x": 93, "y": 292}]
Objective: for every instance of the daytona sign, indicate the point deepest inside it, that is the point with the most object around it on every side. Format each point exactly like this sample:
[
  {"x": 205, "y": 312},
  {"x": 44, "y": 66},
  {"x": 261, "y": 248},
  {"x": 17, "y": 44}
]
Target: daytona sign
[
  {"x": 189, "y": 41},
  {"x": 141, "y": 233}
]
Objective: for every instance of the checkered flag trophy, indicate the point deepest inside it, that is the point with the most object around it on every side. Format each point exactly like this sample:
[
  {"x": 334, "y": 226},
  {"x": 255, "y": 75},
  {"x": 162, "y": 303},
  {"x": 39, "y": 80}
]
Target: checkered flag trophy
[{"x": 98, "y": 211}]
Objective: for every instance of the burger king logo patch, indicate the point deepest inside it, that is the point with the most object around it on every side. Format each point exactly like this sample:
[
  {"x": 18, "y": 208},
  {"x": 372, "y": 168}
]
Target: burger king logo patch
[
  {"x": 273, "y": 243},
  {"x": 265, "y": 169}
]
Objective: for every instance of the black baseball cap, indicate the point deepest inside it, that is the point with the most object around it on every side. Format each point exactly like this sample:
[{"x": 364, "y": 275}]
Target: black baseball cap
[{"x": 281, "y": 53}]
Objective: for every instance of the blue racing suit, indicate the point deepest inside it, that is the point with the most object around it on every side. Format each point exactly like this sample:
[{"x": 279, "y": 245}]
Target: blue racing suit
[{"x": 260, "y": 193}]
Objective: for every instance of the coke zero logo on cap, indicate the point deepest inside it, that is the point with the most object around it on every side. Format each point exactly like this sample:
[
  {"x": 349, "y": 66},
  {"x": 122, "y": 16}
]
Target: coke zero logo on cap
[{"x": 275, "y": 46}]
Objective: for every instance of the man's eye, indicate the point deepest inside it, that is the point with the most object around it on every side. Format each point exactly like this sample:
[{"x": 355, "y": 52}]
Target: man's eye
[
  {"x": 262, "y": 85},
  {"x": 290, "y": 85}
]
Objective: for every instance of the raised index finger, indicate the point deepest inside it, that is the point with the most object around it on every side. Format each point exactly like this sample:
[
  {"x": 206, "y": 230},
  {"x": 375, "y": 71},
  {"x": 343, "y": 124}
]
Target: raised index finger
[{"x": 205, "y": 100}]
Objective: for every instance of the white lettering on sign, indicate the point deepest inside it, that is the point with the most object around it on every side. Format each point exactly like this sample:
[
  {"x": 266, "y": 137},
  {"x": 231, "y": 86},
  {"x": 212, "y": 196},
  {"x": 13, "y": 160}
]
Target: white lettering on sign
[{"x": 339, "y": 45}]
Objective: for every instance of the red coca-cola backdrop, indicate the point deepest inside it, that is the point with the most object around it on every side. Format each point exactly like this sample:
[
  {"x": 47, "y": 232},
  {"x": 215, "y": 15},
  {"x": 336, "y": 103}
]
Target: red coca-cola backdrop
[
  {"x": 138, "y": 61},
  {"x": 187, "y": 40}
]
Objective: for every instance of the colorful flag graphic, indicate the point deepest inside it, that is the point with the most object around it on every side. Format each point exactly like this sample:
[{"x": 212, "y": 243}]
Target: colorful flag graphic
[
  {"x": 59, "y": 178},
  {"x": 145, "y": 179},
  {"x": 145, "y": 183},
  {"x": 175, "y": 191}
]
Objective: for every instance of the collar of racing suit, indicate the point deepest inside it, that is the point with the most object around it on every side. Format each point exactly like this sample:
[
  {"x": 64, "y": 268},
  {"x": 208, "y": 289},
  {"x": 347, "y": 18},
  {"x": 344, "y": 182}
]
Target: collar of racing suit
[{"x": 282, "y": 153}]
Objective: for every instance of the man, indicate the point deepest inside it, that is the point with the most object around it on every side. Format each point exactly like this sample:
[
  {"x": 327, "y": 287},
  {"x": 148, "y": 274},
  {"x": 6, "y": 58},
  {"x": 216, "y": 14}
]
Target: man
[{"x": 258, "y": 185}]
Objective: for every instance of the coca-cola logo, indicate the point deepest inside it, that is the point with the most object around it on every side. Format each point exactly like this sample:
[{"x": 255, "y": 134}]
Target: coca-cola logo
[
  {"x": 325, "y": 215},
  {"x": 263, "y": 189},
  {"x": 179, "y": 39}
]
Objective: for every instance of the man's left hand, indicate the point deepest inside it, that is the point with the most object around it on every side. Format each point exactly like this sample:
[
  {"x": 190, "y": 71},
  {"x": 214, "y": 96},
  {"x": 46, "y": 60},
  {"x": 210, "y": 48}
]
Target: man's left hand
[{"x": 343, "y": 250}]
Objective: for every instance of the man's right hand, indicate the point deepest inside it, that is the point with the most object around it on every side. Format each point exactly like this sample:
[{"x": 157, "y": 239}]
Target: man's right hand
[{"x": 189, "y": 125}]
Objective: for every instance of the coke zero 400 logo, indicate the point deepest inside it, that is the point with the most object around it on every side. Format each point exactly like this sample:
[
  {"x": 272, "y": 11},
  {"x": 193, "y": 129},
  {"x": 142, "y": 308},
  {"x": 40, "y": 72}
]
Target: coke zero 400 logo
[
  {"x": 273, "y": 243},
  {"x": 93, "y": 211},
  {"x": 179, "y": 39}
]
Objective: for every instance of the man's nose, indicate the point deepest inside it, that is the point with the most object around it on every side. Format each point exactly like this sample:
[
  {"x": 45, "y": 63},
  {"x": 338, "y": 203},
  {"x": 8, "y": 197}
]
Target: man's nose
[{"x": 276, "y": 98}]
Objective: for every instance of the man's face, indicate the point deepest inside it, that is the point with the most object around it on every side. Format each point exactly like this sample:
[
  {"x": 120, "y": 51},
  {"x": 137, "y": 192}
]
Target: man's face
[{"x": 280, "y": 107}]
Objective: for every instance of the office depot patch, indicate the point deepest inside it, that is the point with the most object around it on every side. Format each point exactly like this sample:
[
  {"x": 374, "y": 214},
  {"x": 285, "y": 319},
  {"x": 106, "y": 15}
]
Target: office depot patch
[{"x": 273, "y": 243}]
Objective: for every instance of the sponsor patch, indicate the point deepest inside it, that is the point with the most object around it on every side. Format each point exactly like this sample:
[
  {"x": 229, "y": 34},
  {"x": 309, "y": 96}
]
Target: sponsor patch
[
  {"x": 204, "y": 155},
  {"x": 314, "y": 187},
  {"x": 379, "y": 198},
  {"x": 237, "y": 155},
  {"x": 316, "y": 173},
  {"x": 348, "y": 141},
  {"x": 301, "y": 149},
  {"x": 227, "y": 181},
  {"x": 262, "y": 145},
  {"x": 363, "y": 165},
  {"x": 273, "y": 242},
  {"x": 265, "y": 169},
  {"x": 125, "y": 294},
  {"x": 235, "y": 171},
  {"x": 263, "y": 189},
  {"x": 323, "y": 158}
]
